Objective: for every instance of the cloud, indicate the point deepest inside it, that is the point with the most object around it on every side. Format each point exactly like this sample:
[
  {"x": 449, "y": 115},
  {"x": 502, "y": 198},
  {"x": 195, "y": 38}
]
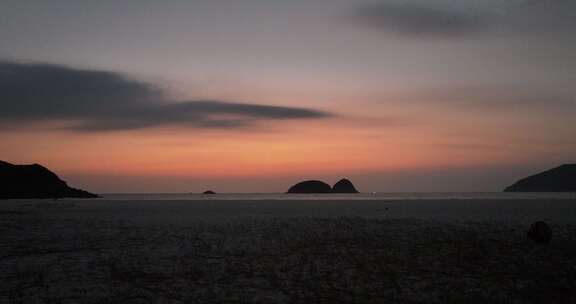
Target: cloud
[
  {"x": 502, "y": 98},
  {"x": 105, "y": 101},
  {"x": 496, "y": 98},
  {"x": 529, "y": 17},
  {"x": 420, "y": 20}
]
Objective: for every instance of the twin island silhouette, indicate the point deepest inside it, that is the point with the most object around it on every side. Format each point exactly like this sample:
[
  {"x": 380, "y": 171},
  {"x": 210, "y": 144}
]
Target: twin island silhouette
[
  {"x": 36, "y": 181},
  {"x": 315, "y": 186}
]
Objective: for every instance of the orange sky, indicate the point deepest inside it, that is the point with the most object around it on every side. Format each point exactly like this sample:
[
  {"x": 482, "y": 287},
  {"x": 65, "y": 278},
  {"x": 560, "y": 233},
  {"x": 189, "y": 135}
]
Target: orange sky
[
  {"x": 250, "y": 96},
  {"x": 351, "y": 144}
]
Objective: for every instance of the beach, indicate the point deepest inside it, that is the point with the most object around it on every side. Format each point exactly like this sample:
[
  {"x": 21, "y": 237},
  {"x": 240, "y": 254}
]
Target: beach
[{"x": 296, "y": 251}]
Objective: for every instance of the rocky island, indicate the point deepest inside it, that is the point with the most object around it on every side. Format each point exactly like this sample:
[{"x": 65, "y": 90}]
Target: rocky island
[
  {"x": 344, "y": 186},
  {"x": 310, "y": 186},
  {"x": 320, "y": 187}
]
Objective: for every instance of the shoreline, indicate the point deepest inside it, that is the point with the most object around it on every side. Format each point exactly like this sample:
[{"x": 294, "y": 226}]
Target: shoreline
[{"x": 185, "y": 211}]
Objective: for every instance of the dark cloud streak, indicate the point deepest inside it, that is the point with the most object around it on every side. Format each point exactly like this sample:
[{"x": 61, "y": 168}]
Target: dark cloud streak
[
  {"x": 531, "y": 17},
  {"x": 105, "y": 101},
  {"x": 420, "y": 20}
]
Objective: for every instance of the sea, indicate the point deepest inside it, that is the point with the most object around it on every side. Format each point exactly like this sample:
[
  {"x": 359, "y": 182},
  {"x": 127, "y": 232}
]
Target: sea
[
  {"x": 185, "y": 208},
  {"x": 378, "y": 196}
]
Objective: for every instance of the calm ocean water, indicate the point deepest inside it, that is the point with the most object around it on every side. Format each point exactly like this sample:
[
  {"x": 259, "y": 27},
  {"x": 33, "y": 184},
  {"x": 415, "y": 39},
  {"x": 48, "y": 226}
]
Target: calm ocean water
[
  {"x": 360, "y": 196},
  {"x": 186, "y": 208}
]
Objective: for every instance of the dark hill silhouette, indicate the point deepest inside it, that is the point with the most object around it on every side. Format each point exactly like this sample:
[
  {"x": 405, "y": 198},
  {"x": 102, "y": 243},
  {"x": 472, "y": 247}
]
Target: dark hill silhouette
[
  {"x": 34, "y": 181},
  {"x": 560, "y": 179},
  {"x": 208, "y": 192},
  {"x": 344, "y": 186},
  {"x": 310, "y": 186}
]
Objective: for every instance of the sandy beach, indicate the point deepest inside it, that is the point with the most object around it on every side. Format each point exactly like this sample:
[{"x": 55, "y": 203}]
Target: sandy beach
[{"x": 419, "y": 251}]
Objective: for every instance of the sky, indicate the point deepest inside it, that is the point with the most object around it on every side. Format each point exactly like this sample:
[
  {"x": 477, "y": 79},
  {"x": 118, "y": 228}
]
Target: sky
[{"x": 255, "y": 95}]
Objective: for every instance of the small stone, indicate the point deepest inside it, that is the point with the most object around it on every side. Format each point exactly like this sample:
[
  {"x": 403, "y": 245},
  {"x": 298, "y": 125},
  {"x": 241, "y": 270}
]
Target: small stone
[{"x": 540, "y": 232}]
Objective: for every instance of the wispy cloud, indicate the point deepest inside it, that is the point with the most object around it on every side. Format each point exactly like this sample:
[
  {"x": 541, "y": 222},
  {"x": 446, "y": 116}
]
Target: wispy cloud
[
  {"x": 106, "y": 101},
  {"x": 420, "y": 20},
  {"x": 493, "y": 98},
  {"x": 500, "y": 97},
  {"x": 436, "y": 20}
]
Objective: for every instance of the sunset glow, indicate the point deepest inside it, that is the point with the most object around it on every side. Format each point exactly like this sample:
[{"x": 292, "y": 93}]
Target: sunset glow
[{"x": 262, "y": 93}]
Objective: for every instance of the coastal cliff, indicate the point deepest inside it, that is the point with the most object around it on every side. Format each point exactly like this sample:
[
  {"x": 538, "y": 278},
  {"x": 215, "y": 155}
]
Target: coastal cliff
[
  {"x": 559, "y": 179},
  {"x": 34, "y": 181}
]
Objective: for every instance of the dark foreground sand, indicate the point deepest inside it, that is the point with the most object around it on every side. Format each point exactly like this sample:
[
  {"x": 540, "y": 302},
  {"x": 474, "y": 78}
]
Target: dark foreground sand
[{"x": 72, "y": 252}]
